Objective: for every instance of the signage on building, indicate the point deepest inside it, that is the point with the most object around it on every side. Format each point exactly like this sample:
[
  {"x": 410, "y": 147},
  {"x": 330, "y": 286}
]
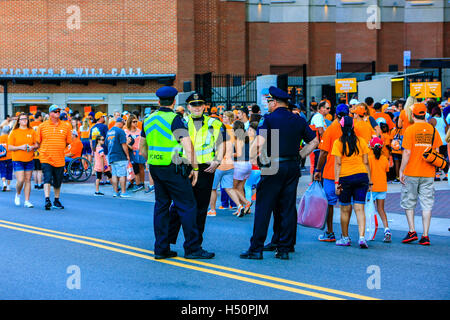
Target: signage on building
[
  {"x": 338, "y": 61},
  {"x": 346, "y": 85},
  {"x": 425, "y": 90},
  {"x": 75, "y": 72},
  {"x": 406, "y": 58}
]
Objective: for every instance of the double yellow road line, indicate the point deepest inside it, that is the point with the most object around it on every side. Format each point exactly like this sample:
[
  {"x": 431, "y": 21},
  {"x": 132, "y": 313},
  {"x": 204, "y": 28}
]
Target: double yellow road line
[{"x": 218, "y": 270}]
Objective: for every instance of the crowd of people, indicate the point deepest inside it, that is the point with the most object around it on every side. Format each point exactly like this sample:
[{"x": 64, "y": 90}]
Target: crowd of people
[{"x": 363, "y": 147}]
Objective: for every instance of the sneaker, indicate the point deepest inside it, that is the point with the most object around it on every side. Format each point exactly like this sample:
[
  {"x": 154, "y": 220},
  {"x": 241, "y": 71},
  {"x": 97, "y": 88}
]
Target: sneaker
[
  {"x": 108, "y": 182},
  {"x": 327, "y": 237},
  {"x": 445, "y": 179},
  {"x": 36, "y": 186},
  {"x": 222, "y": 208},
  {"x": 28, "y": 204},
  {"x": 411, "y": 236},
  {"x": 130, "y": 186},
  {"x": 387, "y": 235},
  {"x": 425, "y": 241},
  {"x": 17, "y": 200},
  {"x": 201, "y": 254},
  {"x": 4, "y": 188},
  {"x": 137, "y": 188},
  {"x": 116, "y": 194},
  {"x": 344, "y": 242},
  {"x": 101, "y": 183},
  {"x": 57, "y": 204},
  {"x": 150, "y": 189},
  {"x": 8, "y": 188},
  {"x": 125, "y": 195},
  {"x": 437, "y": 179},
  {"x": 248, "y": 208},
  {"x": 238, "y": 210},
  {"x": 396, "y": 180},
  {"x": 98, "y": 194},
  {"x": 211, "y": 213},
  {"x": 48, "y": 205},
  {"x": 363, "y": 243}
]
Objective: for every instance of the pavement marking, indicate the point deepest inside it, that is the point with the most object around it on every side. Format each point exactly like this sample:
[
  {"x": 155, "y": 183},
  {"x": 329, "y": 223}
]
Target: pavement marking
[{"x": 72, "y": 238}]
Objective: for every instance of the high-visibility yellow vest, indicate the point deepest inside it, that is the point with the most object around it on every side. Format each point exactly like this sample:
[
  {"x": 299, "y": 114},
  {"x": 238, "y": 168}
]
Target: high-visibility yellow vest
[
  {"x": 204, "y": 140},
  {"x": 162, "y": 145}
]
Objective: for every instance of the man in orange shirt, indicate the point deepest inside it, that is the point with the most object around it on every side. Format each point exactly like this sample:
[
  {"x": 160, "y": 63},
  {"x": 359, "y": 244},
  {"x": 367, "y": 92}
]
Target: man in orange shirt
[
  {"x": 330, "y": 135},
  {"x": 53, "y": 136},
  {"x": 379, "y": 114},
  {"x": 417, "y": 175},
  {"x": 75, "y": 149}
]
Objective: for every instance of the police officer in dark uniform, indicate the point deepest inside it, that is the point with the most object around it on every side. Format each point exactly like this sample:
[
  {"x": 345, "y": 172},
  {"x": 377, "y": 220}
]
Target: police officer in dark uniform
[
  {"x": 164, "y": 136},
  {"x": 277, "y": 191},
  {"x": 207, "y": 134}
]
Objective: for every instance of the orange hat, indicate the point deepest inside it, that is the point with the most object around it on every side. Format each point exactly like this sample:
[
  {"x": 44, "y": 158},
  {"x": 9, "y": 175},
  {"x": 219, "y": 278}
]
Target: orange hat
[
  {"x": 99, "y": 114},
  {"x": 419, "y": 109},
  {"x": 360, "y": 110}
]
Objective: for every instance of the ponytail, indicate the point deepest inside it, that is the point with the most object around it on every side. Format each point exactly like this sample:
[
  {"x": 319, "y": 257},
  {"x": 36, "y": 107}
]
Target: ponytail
[{"x": 377, "y": 151}]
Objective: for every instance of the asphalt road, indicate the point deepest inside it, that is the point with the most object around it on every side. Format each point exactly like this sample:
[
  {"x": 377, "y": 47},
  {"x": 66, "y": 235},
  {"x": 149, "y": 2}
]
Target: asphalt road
[{"x": 102, "y": 248}]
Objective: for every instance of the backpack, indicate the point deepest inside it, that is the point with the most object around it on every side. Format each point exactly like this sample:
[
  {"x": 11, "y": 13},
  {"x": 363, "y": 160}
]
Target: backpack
[{"x": 3, "y": 151}]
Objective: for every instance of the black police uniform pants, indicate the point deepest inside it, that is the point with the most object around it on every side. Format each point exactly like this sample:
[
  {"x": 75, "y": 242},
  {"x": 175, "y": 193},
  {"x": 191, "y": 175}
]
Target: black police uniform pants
[
  {"x": 278, "y": 194},
  {"x": 202, "y": 193},
  {"x": 170, "y": 186}
]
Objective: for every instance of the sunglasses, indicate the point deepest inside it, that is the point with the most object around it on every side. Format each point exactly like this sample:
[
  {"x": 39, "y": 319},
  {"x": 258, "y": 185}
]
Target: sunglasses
[
  {"x": 134, "y": 121},
  {"x": 57, "y": 111}
]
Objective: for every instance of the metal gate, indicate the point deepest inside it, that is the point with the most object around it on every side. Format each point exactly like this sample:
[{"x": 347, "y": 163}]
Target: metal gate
[{"x": 227, "y": 89}]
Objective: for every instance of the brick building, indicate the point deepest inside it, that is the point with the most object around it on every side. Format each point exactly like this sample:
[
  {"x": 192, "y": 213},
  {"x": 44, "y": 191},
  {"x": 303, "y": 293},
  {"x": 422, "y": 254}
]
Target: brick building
[{"x": 114, "y": 54}]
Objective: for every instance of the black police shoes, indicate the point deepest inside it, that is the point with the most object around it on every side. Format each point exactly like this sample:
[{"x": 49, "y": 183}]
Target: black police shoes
[
  {"x": 270, "y": 247},
  {"x": 201, "y": 254},
  {"x": 168, "y": 254},
  {"x": 251, "y": 255}
]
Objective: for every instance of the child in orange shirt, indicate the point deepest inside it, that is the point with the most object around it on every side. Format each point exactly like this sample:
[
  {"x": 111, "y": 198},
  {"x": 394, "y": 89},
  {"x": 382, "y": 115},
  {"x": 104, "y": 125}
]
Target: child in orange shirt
[{"x": 379, "y": 165}]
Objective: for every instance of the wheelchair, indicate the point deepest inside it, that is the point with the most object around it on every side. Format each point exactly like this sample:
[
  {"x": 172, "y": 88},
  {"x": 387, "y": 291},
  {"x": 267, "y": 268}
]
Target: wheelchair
[{"x": 77, "y": 170}]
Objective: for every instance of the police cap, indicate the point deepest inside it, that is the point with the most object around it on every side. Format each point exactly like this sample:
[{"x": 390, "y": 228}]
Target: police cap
[
  {"x": 195, "y": 99},
  {"x": 166, "y": 92},
  {"x": 278, "y": 94}
]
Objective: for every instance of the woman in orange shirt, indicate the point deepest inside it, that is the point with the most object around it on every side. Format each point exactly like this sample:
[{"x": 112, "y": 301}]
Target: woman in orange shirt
[
  {"x": 352, "y": 179},
  {"x": 22, "y": 143}
]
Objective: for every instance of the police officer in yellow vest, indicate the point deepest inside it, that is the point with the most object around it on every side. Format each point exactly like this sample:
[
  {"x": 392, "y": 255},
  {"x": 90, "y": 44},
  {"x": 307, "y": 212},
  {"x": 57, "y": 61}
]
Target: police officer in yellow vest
[
  {"x": 207, "y": 135},
  {"x": 165, "y": 136}
]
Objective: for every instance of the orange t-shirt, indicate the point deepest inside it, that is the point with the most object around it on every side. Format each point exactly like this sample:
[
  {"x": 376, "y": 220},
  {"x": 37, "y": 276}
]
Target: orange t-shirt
[
  {"x": 417, "y": 138},
  {"x": 364, "y": 130},
  {"x": 386, "y": 137},
  {"x": 405, "y": 122},
  {"x": 19, "y": 137},
  {"x": 53, "y": 139},
  {"x": 75, "y": 148},
  {"x": 111, "y": 124},
  {"x": 35, "y": 124},
  {"x": 378, "y": 169},
  {"x": 353, "y": 164},
  {"x": 330, "y": 135},
  {"x": 4, "y": 142}
]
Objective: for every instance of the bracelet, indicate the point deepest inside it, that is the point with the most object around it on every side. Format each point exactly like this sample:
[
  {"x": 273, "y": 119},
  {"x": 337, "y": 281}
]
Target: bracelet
[
  {"x": 336, "y": 182},
  {"x": 195, "y": 169}
]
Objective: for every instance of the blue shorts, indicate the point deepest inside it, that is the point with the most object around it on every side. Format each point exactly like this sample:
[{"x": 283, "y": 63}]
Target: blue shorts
[
  {"x": 119, "y": 168},
  {"x": 86, "y": 147},
  {"x": 329, "y": 187},
  {"x": 225, "y": 178},
  {"x": 379, "y": 195},
  {"x": 23, "y": 166},
  {"x": 6, "y": 169},
  {"x": 354, "y": 189}
]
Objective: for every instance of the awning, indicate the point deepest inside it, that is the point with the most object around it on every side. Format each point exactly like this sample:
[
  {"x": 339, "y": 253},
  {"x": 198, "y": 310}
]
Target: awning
[
  {"x": 29, "y": 99},
  {"x": 85, "y": 99}
]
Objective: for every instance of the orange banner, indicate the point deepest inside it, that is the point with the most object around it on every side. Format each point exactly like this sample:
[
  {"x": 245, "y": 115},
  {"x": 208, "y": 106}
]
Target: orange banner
[{"x": 346, "y": 85}]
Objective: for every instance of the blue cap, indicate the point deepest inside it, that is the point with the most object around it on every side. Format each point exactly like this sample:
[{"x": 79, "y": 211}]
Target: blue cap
[
  {"x": 342, "y": 108},
  {"x": 278, "y": 94},
  {"x": 166, "y": 92},
  {"x": 54, "y": 107},
  {"x": 92, "y": 114},
  {"x": 120, "y": 119}
]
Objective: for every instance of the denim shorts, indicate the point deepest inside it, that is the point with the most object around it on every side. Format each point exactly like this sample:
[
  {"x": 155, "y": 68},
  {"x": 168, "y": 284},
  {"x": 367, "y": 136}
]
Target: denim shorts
[
  {"x": 23, "y": 166},
  {"x": 6, "y": 169},
  {"x": 119, "y": 168},
  {"x": 379, "y": 195},
  {"x": 225, "y": 178},
  {"x": 329, "y": 187},
  {"x": 354, "y": 189}
]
